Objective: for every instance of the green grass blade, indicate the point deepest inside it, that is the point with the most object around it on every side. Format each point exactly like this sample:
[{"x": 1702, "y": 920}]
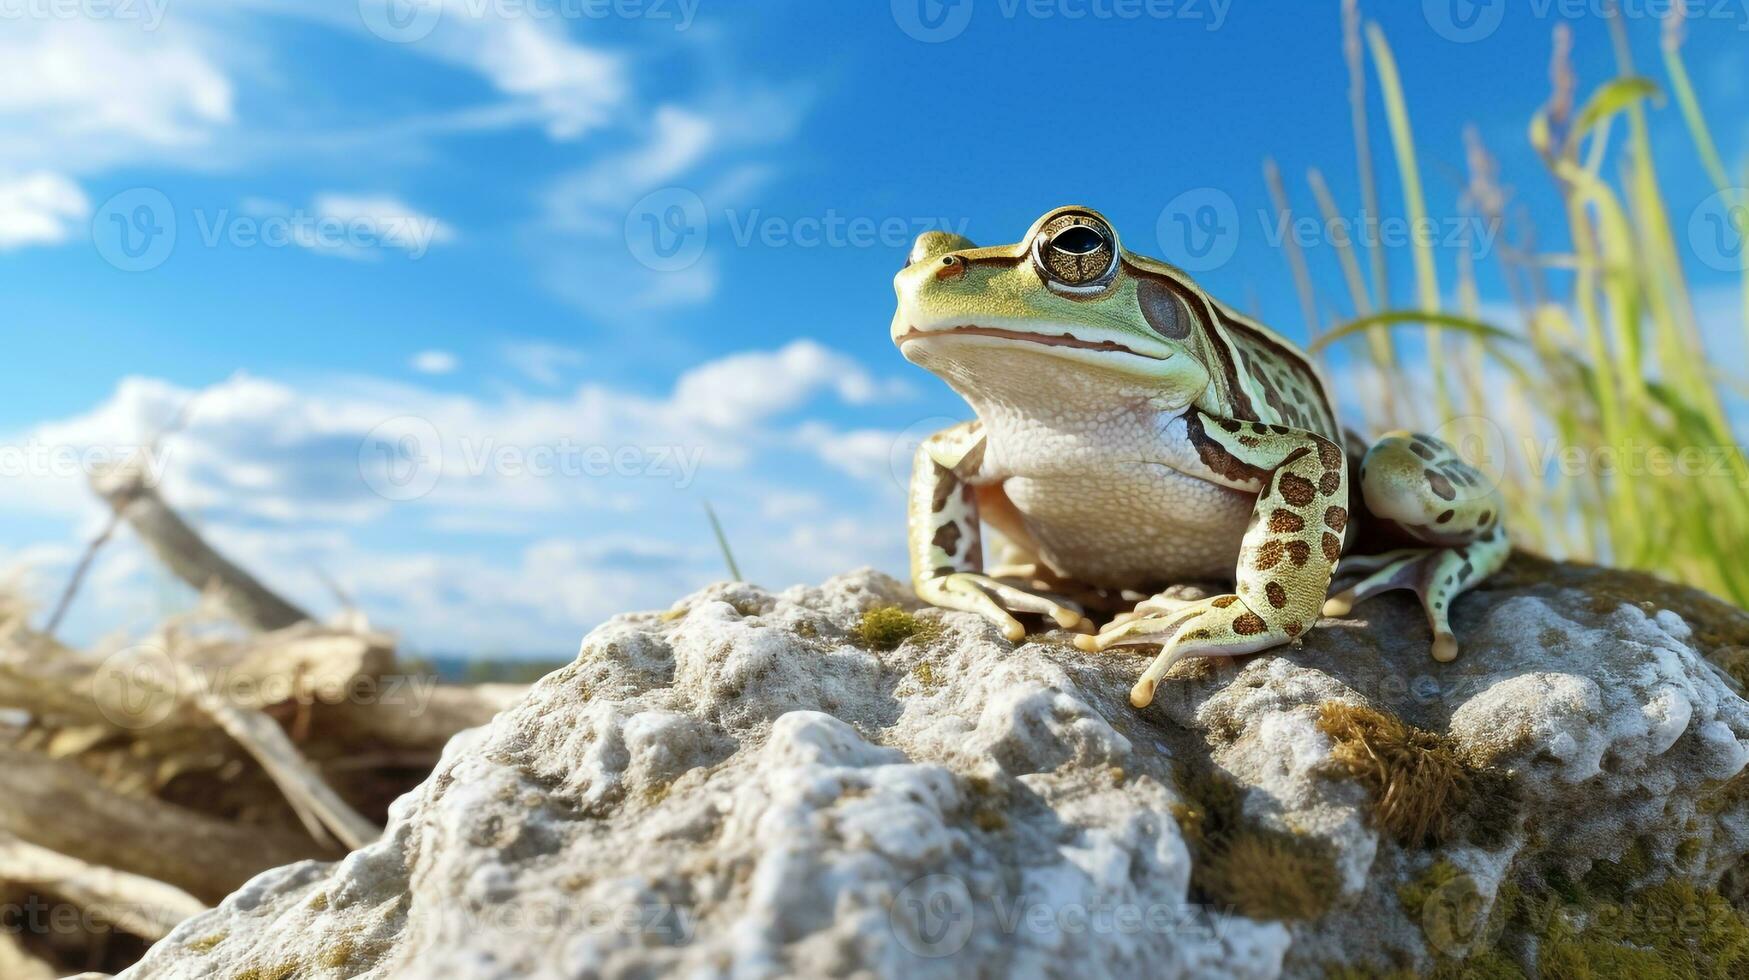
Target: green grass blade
[
  {"x": 723, "y": 542},
  {"x": 1414, "y": 202}
]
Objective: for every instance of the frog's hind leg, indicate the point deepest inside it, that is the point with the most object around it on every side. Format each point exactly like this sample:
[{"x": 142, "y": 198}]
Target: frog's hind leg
[{"x": 1421, "y": 488}]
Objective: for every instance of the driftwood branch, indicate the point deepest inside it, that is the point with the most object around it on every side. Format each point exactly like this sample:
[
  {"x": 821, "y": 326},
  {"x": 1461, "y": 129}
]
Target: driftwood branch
[
  {"x": 147, "y": 908},
  {"x": 318, "y": 805},
  {"x": 56, "y": 804},
  {"x": 129, "y": 491}
]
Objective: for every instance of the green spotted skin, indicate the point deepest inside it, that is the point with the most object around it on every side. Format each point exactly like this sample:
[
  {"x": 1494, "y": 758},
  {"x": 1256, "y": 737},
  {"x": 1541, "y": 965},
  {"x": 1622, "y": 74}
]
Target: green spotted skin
[{"x": 1132, "y": 432}]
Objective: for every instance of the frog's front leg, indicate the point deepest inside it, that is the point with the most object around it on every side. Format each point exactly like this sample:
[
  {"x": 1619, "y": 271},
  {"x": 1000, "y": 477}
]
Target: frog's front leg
[
  {"x": 1289, "y": 552},
  {"x": 947, "y": 554}
]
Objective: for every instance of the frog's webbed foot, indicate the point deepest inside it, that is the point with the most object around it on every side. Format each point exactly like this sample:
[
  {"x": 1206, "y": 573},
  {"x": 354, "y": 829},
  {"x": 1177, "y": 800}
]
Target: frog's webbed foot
[
  {"x": 1222, "y": 626},
  {"x": 1436, "y": 575},
  {"x": 1422, "y": 486},
  {"x": 975, "y": 592}
]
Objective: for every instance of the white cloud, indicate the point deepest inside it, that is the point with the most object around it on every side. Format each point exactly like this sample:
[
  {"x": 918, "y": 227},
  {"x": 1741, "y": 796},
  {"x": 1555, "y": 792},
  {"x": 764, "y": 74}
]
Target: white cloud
[
  {"x": 349, "y": 224},
  {"x": 435, "y": 362},
  {"x": 40, "y": 208},
  {"x": 750, "y": 387},
  {"x": 867, "y": 454},
  {"x": 541, "y": 362},
  {"x": 83, "y": 95},
  {"x": 567, "y": 88}
]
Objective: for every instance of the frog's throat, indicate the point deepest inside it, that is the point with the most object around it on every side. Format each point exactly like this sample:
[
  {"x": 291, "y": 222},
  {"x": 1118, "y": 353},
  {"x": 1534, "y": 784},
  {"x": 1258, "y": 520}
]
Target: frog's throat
[{"x": 1049, "y": 340}]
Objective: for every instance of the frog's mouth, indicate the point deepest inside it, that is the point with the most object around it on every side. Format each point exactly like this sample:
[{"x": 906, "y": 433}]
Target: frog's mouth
[{"x": 1049, "y": 340}]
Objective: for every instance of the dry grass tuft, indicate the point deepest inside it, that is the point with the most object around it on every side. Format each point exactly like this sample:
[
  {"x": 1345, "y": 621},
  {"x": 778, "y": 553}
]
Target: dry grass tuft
[
  {"x": 1419, "y": 780},
  {"x": 1259, "y": 872},
  {"x": 1266, "y": 874}
]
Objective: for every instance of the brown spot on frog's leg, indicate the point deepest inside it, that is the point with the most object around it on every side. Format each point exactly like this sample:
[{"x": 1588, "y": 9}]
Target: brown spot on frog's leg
[
  {"x": 1330, "y": 456},
  {"x": 1332, "y": 547},
  {"x": 1285, "y": 522},
  {"x": 1441, "y": 486},
  {"x": 947, "y": 537},
  {"x": 945, "y": 487},
  {"x": 1336, "y": 518},
  {"x": 1296, "y": 489},
  {"x": 1249, "y": 624},
  {"x": 1298, "y": 552},
  {"x": 1222, "y": 602},
  {"x": 1268, "y": 555},
  {"x": 1277, "y": 595},
  {"x": 1330, "y": 482}
]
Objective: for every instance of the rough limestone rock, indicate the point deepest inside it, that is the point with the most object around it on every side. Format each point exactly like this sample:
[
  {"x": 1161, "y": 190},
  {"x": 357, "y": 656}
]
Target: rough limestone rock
[{"x": 748, "y": 786}]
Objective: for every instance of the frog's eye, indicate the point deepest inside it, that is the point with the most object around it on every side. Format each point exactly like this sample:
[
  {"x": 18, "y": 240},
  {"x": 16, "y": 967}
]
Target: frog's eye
[{"x": 1076, "y": 253}]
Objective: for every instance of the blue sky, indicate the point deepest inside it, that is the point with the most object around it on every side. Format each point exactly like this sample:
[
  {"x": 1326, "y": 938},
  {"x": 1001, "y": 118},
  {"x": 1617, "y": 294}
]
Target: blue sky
[{"x": 433, "y": 221}]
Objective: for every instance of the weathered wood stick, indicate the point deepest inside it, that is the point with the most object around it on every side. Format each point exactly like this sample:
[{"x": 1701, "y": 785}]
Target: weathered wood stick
[
  {"x": 128, "y": 489},
  {"x": 147, "y": 908},
  {"x": 58, "y": 805}
]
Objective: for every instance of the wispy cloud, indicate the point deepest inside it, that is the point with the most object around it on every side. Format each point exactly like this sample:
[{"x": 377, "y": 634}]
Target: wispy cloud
[
  {"x": 63, "y": 107},
  {"x": 435, "y": 362},
  {"x": 41, "y": 208},
  {"x": 541, "y": 363}
]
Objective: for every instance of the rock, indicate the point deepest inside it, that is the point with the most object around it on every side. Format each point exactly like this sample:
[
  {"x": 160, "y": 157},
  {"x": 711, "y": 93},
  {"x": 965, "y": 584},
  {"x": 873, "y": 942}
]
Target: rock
[{"x": 748, "y": 785}]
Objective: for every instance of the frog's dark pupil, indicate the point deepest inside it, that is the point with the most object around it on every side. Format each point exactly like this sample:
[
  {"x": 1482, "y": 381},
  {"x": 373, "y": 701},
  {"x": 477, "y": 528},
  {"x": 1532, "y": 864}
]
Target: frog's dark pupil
[{"x": 1079, "y": 240}]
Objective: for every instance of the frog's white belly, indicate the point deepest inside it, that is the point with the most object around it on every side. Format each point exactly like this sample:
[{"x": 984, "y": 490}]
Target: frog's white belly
[{"x": 1133, "y": 525}]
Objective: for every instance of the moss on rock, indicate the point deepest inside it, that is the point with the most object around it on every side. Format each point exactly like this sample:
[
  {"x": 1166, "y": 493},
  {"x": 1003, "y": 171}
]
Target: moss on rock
[{"x": 885, "y": 627}]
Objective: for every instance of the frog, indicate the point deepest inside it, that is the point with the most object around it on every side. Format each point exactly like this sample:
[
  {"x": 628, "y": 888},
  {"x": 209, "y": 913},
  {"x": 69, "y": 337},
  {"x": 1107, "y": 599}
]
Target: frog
[{"x": 1132, "y": 433}]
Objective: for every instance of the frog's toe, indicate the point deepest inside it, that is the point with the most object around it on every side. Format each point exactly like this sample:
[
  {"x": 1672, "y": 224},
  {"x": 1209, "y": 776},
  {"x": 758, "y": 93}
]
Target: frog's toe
[
  {"x": 1437, "y": 576},
  {"x": 996, "y": 601}
]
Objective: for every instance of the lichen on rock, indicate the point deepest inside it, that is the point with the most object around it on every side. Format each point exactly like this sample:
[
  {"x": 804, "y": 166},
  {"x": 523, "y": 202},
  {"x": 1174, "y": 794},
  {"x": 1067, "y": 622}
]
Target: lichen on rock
[{"x": 832, "y": 781}]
